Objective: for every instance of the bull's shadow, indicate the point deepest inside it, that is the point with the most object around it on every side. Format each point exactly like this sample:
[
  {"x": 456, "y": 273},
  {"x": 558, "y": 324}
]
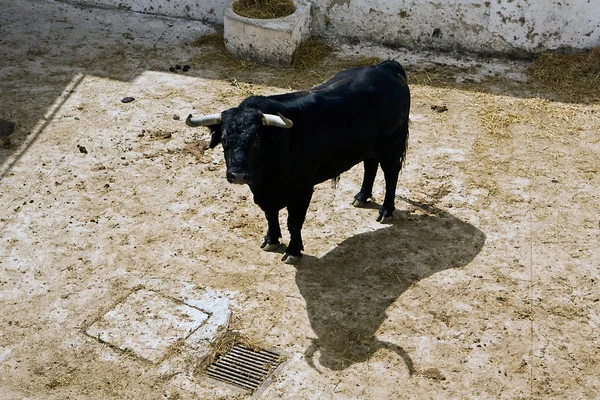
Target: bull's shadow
[{"x": 348, "y": 290}]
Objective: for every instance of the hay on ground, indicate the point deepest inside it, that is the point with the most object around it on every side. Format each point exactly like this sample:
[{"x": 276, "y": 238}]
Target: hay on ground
[
  {"x": 311, "y": 53},
  {"x": 314, "y": 62},
  {"x": 564, "y": 77},
  {"x": 362, "y": 61},
  {"x": 573, "y": 75}
]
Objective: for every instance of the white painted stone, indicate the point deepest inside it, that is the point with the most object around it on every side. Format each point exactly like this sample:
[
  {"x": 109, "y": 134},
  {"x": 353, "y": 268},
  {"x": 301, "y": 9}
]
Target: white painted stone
[
  {"x": 218, "y": 306},
  {"x": 551, "y": 24},
  {"x": 268, "y": 41},
  {"x": 147, "y": 324},
  {"x": 498, "y": 26}
]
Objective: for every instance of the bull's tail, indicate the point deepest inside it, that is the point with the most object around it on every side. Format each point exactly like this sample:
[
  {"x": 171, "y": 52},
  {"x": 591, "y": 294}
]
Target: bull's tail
[
  {"x": 309, "y": 354},
  {"x": 404, "y": 144},
  {"x": 401, "y": 352},
  {"x": 395, "y": 66}
]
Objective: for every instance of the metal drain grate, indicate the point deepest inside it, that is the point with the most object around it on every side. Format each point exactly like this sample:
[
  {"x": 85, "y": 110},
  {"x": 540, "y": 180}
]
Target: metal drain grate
[{"x": 243, "y": 367}]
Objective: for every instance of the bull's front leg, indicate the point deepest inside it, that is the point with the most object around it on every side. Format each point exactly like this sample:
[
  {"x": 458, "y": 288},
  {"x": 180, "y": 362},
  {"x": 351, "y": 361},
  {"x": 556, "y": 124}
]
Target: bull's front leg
[
  {"x": 296, "y": 215},
  {"x": 271, "y": 241},
  {"x": 366, "y": 191}
]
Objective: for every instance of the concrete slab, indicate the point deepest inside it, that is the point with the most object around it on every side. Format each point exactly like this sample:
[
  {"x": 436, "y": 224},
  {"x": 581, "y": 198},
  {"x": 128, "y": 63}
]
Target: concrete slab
[{"x": 147, "y": 324}]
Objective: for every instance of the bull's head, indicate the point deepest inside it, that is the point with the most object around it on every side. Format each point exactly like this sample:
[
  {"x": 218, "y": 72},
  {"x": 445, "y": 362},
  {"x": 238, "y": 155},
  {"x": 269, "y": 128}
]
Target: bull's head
[{"x": 240, "y": 131}]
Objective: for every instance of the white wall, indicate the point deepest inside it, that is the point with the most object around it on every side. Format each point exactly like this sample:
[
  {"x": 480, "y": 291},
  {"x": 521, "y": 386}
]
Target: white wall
[
  {"x": 504, "y": 26},
  {"x": 481, "y": 26}
]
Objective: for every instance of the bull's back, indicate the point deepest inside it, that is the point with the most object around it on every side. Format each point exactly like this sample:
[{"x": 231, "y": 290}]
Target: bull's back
[
  {"x": 360, "y": 114},
  {"x": 375, "y": 96}
]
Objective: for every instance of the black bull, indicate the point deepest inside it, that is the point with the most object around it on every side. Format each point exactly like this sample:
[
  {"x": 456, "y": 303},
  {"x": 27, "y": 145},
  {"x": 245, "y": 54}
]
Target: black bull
[{"x": 283, "y": 145}]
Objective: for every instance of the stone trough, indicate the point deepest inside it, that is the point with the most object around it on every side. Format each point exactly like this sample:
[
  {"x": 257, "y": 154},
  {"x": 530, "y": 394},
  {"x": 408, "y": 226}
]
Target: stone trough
[{"x": 267, "y": 41}]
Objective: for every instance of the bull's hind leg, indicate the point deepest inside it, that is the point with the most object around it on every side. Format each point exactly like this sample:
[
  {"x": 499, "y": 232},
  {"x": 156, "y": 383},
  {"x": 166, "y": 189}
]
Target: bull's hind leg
[
  {"x": 366, "y": 190},
  {"x": 391, "y": 171},
  {"x": 391, "y": 164},
  {"x": 296, "y": 215},
  {"x": 271, "y": 241}
]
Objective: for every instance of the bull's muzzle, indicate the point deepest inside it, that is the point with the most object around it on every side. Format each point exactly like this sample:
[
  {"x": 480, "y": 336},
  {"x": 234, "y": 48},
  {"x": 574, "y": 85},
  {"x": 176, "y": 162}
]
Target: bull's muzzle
[{"x": 239, "y": 178}]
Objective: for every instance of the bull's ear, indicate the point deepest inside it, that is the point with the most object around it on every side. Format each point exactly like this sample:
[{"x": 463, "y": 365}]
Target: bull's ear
[{"x": 215, "y": 137}]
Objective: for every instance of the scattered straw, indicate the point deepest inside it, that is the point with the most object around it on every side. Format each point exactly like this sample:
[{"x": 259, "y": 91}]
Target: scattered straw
[
  {"x": 212, "y": 39},
  {"x": 222, "y": 346},
  {"x": 213, "y": 52},
  {"x": 497, "y": 121},
  {"x": 264, "y": 9}
]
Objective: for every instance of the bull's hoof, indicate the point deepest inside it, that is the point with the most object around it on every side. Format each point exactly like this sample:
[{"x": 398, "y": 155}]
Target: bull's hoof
[
  {"x": 359, "y": 204},
  {"x": 385, "y": 216},
  {"x": 290, "y": 259},
  {"x": 384, "y": 220},
  {"x": 270, "y": 247},
  {"x": 266, "y": 246}
]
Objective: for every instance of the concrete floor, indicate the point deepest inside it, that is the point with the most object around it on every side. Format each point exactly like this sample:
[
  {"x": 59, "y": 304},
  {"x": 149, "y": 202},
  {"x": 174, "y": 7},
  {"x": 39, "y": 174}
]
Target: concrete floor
[{"x": 485, "y": 286}]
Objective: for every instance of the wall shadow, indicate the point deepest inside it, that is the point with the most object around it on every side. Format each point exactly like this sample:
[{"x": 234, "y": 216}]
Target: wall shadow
[
  {"x": 348, "y": 290},
  {"x": 49, "y": 48}
]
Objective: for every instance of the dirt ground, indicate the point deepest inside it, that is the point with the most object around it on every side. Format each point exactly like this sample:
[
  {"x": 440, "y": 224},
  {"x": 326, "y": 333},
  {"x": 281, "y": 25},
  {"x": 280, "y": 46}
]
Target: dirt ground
[{"x": 486, "y": 284}]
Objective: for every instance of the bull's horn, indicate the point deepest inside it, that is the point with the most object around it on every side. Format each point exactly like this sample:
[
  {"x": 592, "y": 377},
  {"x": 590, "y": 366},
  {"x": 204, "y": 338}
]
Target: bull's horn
[
  {"x": 277, "y": 120},
  {"x": 205, "y": 120}
]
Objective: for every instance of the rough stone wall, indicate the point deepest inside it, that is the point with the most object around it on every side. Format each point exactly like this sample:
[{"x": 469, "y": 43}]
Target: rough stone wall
[{"x": 495, "y": 26}]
